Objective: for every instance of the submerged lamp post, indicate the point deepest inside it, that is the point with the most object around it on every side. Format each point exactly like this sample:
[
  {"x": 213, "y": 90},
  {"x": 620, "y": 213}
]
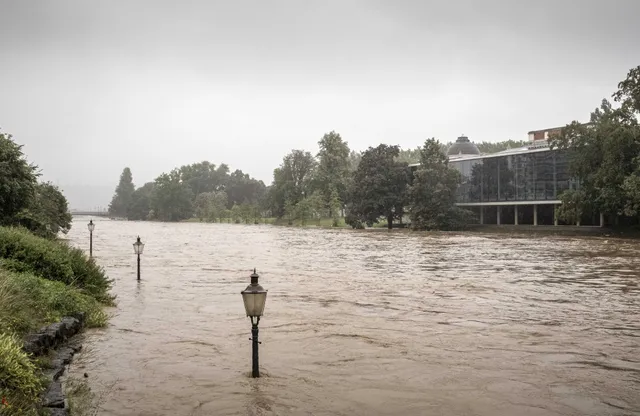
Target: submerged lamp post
[
  {"x": 91, "y": 226},
  {"x": 254, "y": 298},
  {"x": 138, "y": 247}
]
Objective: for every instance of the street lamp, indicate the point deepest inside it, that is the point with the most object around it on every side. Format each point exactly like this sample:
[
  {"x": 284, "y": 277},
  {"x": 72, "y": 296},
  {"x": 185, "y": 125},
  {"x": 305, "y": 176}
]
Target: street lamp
[
  {"x": 91, "y": 226},
  {"x": 254, "y": 298},
  {"x": 138, "y": 247}
]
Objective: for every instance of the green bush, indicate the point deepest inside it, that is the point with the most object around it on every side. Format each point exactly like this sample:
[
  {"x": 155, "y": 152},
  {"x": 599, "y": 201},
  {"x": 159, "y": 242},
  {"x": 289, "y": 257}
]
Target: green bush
[
  {"x": 20, "y": 380},
  {"x": 22, "y": 251},
  {"x": 30, "y": 302}
]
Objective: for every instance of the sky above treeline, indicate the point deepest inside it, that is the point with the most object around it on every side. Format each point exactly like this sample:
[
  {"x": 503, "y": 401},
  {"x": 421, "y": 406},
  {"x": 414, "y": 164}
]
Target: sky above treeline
[{"x": 91, "y": 87}]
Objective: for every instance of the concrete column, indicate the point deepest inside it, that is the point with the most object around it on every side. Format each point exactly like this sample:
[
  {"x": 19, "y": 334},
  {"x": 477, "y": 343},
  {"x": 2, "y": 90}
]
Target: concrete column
[
  {"x": 481, "y": 215},
  {"x": 515, "y": 212},
  {"x": 601, "y": 219},
  {"x": 555, "y": 216},
  {"x": 498, "y": 218},
  {"x": 535, "y": 214}
]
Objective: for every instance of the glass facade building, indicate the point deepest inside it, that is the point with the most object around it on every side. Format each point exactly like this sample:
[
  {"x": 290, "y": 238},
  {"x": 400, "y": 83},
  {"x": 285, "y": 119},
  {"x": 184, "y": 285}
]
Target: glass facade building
[{"x": 518, "y": 175}]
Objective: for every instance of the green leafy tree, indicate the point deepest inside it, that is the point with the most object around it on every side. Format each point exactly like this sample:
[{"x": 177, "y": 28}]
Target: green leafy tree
[
  {"x": 290, "y": 211},
  {"x": 48, "y": 212},
  {"x": 246, "y": 212},
  {"x": 354, "y": 160},
  {"x": 304, "y": 210},
  {"x": 333, "y": 168},
  {"x": 256, "y": 214},
  {"x": 242, "y": 188},
  {"x": 171, "y": 199},
  {"x": 335, "y": 205},
  {"x": 432, "y": 195},
  {"x": 628, "y": 93},
  {"x": 18, "y": 180},
  {"x": 205, "y": 177},
  {"x": 631, "y": 188},
  {"x": 123, "y": 195},
  {"x": 572, "y": 208},
  {"x": 379, "y": 187},
  {"x": 140, "y": 207},
  {"x": 291, "y": 180},
  {"x": 604, "y": 153},
  {"x": 218, "y": 206},
  {"x": 236, "y": 214},
  {"x": 202, "y": 205}
]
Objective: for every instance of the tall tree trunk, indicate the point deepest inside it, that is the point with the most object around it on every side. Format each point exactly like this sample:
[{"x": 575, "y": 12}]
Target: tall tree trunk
[{"x": 390, "y": 221}]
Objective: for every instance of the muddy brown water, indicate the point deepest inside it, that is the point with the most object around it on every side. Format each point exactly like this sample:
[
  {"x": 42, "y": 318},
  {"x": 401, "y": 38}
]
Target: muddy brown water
[{"x": 365, "y": 323}]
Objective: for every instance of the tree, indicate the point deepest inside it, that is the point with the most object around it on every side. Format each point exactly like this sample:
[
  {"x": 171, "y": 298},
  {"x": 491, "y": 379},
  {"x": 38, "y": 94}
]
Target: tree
[
  {"x": 572, "y": 207},
  {"x": 304, "y": 210},
  {"x": 18, "y": 180},
  {"x": 48, "y": 212},
  {"x": 432, "y": 194},
  {"x": 205, "y": 177},
  {"x": 291, "y": 180},
  {"x": 123, "y": 195},
  {"x": 333, "y": 168},
  {"x": 354, "y": 160},
  {"x": 335, "y": 204},
  {"x": 242, "y": 188},
  {"x": 604, "y": 153},
  {"x": 628, "y": 93},
  {"x": 171, "y": 199},
  {"x": 202, "y": 206},
  {"x": 379, "y": 187},
  {"x": 218, "y": 206},
  {"x": 140, "y": 207},
  {"x": 236, "y": 213}
]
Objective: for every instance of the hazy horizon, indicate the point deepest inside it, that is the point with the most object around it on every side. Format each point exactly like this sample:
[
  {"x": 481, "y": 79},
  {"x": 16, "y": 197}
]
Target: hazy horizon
[{"x": 89, "y": 88}]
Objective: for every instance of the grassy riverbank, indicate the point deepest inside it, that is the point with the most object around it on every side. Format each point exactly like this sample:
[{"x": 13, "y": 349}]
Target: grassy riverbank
[{"x": 40, "y": 282}]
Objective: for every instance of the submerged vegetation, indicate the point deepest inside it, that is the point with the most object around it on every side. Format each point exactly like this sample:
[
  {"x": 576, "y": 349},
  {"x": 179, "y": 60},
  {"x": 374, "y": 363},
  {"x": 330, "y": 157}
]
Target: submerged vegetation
[{"x": 42, "y": 278}]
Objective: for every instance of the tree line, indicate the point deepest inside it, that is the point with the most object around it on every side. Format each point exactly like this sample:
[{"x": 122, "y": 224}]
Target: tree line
[
  {"x": 360, "y": 188},
  {"x": 202, "y": 190},
  {"x": 26, "y": 202},
  {"x": 605, "y": 158},
  {"x": 378, "y": 185}
]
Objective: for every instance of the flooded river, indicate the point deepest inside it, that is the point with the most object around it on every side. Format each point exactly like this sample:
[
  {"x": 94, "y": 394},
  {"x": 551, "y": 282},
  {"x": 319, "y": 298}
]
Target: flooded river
[{"x": 365, "y": 323}]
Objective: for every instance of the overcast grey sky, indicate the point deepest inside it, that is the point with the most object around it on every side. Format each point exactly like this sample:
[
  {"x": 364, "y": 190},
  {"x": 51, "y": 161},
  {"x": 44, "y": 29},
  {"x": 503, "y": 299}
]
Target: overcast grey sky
[{"x": 91, "y": 87}]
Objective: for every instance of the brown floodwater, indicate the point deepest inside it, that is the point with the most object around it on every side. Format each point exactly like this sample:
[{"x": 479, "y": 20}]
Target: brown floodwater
[{"x": 364, "y": 323}]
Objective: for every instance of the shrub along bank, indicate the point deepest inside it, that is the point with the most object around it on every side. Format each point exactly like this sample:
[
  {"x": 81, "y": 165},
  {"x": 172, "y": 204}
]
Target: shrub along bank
[{"x": 40, "y": 282}]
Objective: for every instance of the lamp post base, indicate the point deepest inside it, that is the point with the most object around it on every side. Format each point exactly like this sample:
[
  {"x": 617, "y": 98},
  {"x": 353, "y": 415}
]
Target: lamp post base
[
  {"x": 255, "y": 373},
  {"x": 138, "y": 266}
]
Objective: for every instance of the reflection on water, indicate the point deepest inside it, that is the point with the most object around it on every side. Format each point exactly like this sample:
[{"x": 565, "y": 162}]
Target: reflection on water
[{"x": 364, "y": 323}]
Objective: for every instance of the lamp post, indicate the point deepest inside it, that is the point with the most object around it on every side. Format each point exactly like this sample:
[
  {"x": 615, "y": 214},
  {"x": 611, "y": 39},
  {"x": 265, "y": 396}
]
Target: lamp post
[
  {"x": 91, "y": 226},
  {"x": 138, "y": 247},
  {"x": 254, "y": 298}
]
